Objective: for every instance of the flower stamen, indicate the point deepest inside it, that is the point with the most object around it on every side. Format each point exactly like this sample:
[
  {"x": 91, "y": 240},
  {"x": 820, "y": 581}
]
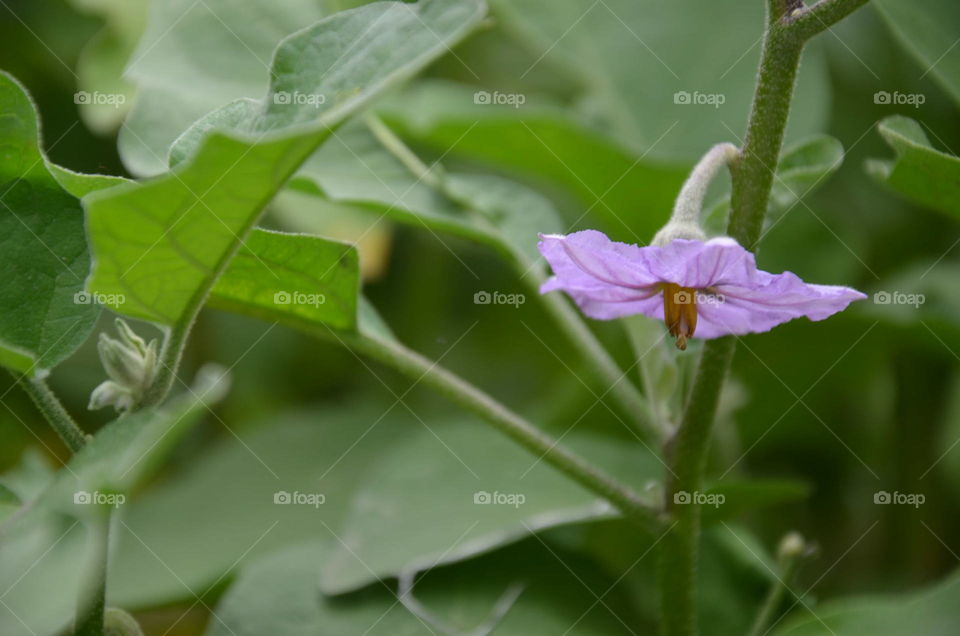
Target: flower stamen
[{"x": 680, "y": 312}]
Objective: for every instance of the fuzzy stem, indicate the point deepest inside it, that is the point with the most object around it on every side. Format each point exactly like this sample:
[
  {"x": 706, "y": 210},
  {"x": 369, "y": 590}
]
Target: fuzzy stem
[
  {"x": 689, "y": 203},
  {"x": 680, "y": 547},
  {"x": 752, "y": 178},
  {"x": 51, "y": 408}
]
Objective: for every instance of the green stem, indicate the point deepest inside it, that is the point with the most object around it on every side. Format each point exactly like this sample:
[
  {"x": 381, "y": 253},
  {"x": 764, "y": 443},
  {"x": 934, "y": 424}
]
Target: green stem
[
  {"x": 626, "y": 394},
  {"x": 53, "y": 411},
  {"x": 752, "y": 178},
  {"x": 421, "y": 369},
  {"x": 92, "y": 601},
  {"x": 680, "y": 547}
]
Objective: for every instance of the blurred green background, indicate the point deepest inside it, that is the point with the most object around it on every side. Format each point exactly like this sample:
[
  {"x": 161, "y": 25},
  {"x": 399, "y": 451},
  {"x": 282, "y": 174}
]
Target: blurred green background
[{"x": 867, "y": 401}]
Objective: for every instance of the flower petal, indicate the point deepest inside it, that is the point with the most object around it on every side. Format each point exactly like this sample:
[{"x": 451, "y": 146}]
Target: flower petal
[
  {"x": 767, "y": 300},
  {"x": 606, "y": 279}
]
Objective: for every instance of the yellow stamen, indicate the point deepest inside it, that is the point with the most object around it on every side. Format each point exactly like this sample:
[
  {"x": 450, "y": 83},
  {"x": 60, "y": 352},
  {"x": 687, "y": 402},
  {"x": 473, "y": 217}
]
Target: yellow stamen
[{"x": 680, "y": 312}]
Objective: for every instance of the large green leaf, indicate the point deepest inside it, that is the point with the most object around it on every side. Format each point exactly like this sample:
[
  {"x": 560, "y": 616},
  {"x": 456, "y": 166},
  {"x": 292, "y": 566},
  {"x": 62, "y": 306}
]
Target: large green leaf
[
  {"x": 632, "y": 194},
  {"x": 642, "y": 76},
  {"x": 934, "y": 611},
  {"x": 928, "y": 30},
  {"x": 163, "y": 243},
  {"x": 44, "y": 316},
  {"x": 920, "y": 172},
  {"x": 557, "y": 595}
]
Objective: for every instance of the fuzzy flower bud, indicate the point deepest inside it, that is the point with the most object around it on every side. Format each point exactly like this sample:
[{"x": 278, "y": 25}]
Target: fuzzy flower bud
[{"x": 130, "y": 363}]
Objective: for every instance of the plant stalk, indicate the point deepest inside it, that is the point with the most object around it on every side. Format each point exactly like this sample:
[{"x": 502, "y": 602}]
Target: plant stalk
[
  {"x": 54, "y": 412},
  {"x": 752, "y": 178}
]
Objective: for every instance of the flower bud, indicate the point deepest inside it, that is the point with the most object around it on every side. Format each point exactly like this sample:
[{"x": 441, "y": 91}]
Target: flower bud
[{"x": 130, "y": 363}]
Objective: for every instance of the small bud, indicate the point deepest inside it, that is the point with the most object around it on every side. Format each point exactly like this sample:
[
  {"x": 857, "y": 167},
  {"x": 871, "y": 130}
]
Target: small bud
[
  {"x": 791, "y": 546},
  {"x": 131, "y": 364}
]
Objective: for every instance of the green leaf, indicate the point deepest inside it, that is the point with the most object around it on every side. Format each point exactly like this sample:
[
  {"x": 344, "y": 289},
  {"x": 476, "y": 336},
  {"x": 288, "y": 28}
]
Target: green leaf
[
  {"x": 45, "y": 316},
  {"x": 928, "y": 30},
  {"x": 920, "y": 172},
  {"x": 292, "y": 277},
  {"x": 161, "y": 245},
  {"x": 630, "y": 193},
  {"x": 556, "y": 594},
  {"x": 643, "y": 78},
  {"x": 478, "y": 491},
  {"x": 932, "y": 611}
]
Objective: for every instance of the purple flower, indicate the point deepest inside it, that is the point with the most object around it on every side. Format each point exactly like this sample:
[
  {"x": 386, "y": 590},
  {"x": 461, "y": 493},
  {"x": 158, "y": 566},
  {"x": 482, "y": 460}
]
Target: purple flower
[{"x": 710, "y": 288}]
